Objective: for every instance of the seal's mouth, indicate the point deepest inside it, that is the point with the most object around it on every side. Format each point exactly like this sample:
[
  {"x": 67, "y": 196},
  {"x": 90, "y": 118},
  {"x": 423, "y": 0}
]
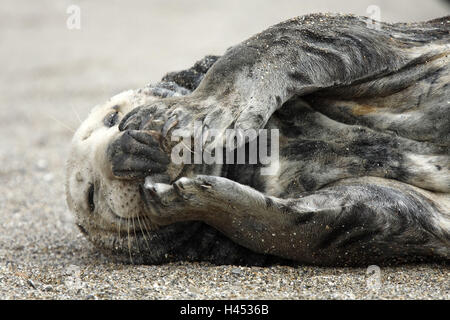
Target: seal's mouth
[
  {"x": 137, "y": 223},
  {"x": 114, "y": 223}
]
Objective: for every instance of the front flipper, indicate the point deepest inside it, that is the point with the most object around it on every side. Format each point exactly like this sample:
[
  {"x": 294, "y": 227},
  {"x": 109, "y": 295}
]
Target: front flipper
[
  {"x": 358, "y": 222},
  {"x": 136, "y": 154},
  {"x": 318, "y": 54}
]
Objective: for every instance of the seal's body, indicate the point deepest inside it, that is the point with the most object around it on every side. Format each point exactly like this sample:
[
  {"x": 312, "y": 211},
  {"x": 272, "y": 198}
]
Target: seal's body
[{"x": 364, "y": 169}]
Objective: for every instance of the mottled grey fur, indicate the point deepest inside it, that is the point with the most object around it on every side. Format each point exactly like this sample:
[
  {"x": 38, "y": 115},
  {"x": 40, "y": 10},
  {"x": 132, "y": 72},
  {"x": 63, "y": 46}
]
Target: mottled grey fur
[{"x": 364, "y": 163}]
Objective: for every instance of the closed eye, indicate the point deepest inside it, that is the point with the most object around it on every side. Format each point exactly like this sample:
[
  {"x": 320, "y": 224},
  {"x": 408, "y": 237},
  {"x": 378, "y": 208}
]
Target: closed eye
[
  {"x": 111, "y": 119},
  {"x": 90, "y": 198}
]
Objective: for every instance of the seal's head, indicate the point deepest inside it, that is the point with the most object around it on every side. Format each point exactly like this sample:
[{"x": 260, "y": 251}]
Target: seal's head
[{"x": 110, "y": 211}]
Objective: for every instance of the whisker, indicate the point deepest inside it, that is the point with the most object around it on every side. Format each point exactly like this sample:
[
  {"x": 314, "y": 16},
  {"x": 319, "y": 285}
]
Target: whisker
[
  {"x": 61, "y": 123},
  {"x": 135, "y": 236},
  {"x": 143, "y": 232},
  {"x": 147, "y": 229},
  {"x": 120, "y": 223},
  {"x": 129, "y": 241},
  {"x": 76, "y": 113}
]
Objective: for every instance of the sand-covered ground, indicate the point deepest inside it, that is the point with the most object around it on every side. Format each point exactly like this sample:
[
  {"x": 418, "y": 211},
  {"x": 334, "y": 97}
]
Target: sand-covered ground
[{"x": 52, "y": 76}]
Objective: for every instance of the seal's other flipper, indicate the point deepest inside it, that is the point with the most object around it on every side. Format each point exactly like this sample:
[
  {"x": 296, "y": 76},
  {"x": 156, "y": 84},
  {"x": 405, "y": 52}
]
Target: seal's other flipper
[{"x": 355, "y": 222}]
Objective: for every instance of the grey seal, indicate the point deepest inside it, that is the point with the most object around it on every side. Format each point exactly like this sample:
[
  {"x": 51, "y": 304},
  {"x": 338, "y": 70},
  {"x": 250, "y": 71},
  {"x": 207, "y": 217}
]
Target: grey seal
[{"x": 363, "y": 175}]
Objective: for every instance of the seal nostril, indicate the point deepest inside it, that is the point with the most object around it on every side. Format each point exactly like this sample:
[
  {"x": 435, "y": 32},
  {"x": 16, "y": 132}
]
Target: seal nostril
[{"x": 90, "y": 199}]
